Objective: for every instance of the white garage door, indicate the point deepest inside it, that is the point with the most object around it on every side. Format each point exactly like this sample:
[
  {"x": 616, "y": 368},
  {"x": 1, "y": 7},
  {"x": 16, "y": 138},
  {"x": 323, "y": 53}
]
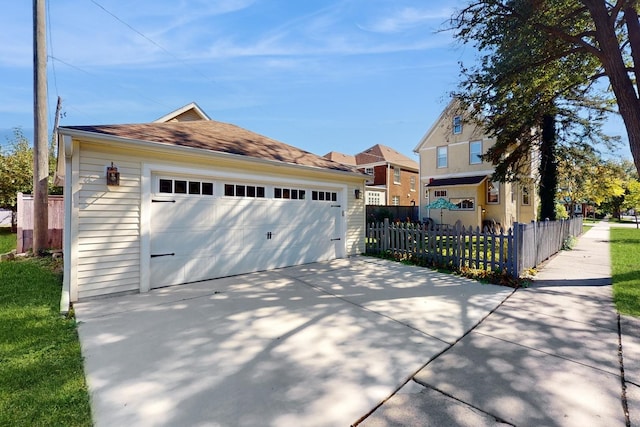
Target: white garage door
[{"x": 198, "y": 235}]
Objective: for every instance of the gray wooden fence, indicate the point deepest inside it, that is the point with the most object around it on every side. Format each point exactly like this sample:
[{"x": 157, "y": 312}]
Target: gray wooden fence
[
  {"x": 515, "y": 250},
  {"x": 541, "y": 240}
]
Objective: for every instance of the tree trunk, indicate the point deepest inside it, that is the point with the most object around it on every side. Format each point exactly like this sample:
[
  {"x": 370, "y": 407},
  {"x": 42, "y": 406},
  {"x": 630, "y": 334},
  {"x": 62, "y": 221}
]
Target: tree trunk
[
  {"x": 616, "y": 70},
  {"x": 548, "y": 169}
]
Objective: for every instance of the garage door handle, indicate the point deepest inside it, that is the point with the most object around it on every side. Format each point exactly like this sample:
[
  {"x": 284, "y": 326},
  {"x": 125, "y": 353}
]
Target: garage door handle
[
  {"x": 337, "y": 238},
  {"x": 157, "y": 255},
  {"x": 162, "y": 201}
]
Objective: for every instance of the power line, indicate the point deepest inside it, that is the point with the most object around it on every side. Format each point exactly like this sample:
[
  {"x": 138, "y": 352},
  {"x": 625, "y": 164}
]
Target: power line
[
  {"x": 174, "y": 56},
  {"x": 128, "y": 89},
  {"x": 53, "y": 65}
]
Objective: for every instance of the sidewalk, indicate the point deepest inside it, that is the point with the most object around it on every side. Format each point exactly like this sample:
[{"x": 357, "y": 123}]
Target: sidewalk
[{"x": 547, "y": 356}]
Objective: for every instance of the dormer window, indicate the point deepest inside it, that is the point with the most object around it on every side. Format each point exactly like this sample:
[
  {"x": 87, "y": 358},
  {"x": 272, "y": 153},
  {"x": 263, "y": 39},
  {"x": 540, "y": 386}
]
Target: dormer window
[{"x": 457, "y": 125}]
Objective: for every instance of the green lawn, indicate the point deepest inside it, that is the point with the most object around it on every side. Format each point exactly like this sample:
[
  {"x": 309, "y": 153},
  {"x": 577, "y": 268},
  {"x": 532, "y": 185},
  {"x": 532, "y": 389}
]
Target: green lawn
[
  {"x": 41, "y": 373},
  {"x": 625, "y": 266},
  {"x": 7, "y": 240}
]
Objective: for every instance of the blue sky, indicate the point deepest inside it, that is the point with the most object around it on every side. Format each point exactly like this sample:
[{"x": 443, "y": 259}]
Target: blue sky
[{"x": 330, "y": 75}]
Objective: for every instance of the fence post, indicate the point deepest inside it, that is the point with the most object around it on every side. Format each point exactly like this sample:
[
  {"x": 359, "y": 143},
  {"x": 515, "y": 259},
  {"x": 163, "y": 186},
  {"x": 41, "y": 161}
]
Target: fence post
[
  {"x": 387, "y": 235},
  {"x": 517, "y": 248}
]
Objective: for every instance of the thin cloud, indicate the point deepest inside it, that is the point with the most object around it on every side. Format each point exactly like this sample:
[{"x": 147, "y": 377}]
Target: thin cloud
[{"x": 406, "y": 19}]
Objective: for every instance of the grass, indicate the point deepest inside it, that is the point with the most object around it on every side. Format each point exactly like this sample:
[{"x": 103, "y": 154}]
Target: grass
[
  {"x": 625, "y": 266},
  {"x": 7, "y": 240},
  {"x": 42, "y": 380}
]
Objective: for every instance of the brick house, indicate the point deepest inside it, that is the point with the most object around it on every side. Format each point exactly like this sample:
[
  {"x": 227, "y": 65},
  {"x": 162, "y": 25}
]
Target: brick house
[{"x": 394, "y": 177}]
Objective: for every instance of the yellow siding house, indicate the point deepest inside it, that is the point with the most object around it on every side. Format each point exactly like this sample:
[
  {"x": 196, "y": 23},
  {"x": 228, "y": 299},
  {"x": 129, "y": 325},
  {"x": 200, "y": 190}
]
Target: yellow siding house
[{"x": 451, "y": 168}]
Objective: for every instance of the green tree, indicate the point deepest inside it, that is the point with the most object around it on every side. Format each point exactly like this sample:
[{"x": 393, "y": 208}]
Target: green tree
[
  {"x": 545, "y": 57},
  {"x": 586, "y": 178},
  {"x": 632, "y": 198},
  {"x": 16, "y": 171}
]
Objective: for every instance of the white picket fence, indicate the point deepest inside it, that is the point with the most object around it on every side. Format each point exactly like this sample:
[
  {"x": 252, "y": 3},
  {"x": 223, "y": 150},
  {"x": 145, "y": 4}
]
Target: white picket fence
[{"x": 513, "y": 251}]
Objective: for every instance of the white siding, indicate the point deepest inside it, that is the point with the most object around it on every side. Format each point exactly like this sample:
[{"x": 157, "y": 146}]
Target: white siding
[
  {"x": 108, "y": 256},
  {"x": 355, "y": 221},
  {"x": 106, "y": 232}
]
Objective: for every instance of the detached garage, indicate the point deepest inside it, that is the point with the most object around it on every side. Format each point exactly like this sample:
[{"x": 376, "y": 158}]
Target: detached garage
[{"x": 172, "y": 202}]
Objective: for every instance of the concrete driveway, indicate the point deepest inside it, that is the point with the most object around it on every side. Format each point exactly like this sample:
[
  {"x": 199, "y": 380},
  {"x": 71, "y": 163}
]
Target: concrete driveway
[{"x": 314, "y": 345}]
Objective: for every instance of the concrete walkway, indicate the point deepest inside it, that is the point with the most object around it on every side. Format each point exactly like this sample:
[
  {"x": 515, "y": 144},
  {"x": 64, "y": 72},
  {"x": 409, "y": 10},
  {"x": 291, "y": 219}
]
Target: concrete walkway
[{"x": 547, "y": 356}]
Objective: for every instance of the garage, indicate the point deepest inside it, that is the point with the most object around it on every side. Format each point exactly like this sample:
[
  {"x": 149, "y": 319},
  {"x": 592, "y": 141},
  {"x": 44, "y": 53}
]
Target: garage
[
  {"x": 203, "y": 229},
  {"x": 166, "y": 203}
]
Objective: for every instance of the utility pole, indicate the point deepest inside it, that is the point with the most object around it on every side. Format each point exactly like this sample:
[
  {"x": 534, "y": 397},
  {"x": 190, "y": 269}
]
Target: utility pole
[{"x": 40, "y": 145}]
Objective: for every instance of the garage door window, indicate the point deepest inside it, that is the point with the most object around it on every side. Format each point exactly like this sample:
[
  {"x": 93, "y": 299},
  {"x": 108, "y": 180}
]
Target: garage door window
[
  {"x": 289, "y": 193},
  {"x": 180, "y": 186},
  {"x": 239, "y": 190},
  {"x": 328, "y": 196}
]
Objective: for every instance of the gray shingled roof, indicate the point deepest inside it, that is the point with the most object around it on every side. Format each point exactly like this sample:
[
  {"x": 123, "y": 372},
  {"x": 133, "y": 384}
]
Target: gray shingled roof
[{"x": 218, "y": 137}]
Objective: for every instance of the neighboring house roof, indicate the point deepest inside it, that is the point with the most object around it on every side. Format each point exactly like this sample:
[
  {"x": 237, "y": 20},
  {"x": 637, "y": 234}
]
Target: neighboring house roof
[
  {"x": 381, "y": 153},
  {"x": 215, "y": 136},
  {"x": 465, "y": 180},
  {"x": 189, "y": 112},
  {"x": 346, "y": 159}
]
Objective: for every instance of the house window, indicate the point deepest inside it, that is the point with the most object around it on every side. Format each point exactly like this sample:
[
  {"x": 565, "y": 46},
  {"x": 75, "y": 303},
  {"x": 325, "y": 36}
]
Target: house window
[
  {"x": 493, "y": 192},
  {"x": 289, "y": 193},
  {"x": 412, "y": 183},
  {"x": 243, "y": 191},
  {"x": 440, "y": 193},
  {"x": 368, "y": 171},
  {"x": 442, "y": 157},
  {"x": 396, "y": 175},
  {"x": 207, "y": 188},
  {"x": 525, "y": 196},
  {"x": 475, "y": 152},
  {"x": 166, "y": 186},
  {"x": 194, "y": 187},
  {"x": 179, "y": 186},
  {"x": 395, "y": 200},
  {"x": 457, "y": 125},
  {"x": 327, "y": 196},
  {"x": 464, "y": 204},
  {"x": 373, "y": 198}
]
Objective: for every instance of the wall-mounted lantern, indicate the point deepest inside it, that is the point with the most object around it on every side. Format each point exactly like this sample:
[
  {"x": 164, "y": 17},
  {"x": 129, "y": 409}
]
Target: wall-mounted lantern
[
  {"x": 357, "y": 193},
  {"x": 113, "y": 176}
]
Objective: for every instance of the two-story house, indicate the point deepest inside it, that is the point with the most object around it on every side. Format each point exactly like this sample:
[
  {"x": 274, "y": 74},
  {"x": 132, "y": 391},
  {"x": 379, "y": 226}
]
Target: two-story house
[
  {"x": 394, "y": 177},
  {"x": 452, "y": 168}
]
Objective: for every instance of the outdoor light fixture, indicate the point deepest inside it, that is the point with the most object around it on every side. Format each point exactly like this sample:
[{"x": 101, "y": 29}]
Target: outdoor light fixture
[
  {"x": 113, "y": 176},
  {"x": 357, "y": 193}
]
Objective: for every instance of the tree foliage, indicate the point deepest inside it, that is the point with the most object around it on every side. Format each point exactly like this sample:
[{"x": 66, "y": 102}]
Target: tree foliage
[
  {"x": 584, "y": 177},
  {"x": 16, "y": 170},
  {"x": 545, "y": 57},
  {"x": 632, "y": 196}
]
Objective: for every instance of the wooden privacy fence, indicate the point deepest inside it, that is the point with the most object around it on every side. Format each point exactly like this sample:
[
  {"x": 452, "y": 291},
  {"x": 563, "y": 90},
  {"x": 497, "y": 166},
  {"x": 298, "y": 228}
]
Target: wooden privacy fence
[
  {"x": 25, "y": 222},
  {"x": 513, "y": 251}
]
